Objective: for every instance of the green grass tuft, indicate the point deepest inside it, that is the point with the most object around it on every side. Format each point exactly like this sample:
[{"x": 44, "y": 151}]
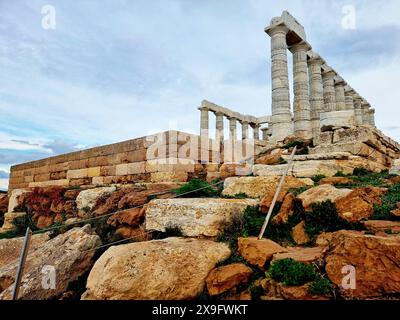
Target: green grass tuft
[{"x": 291, "y": 272}]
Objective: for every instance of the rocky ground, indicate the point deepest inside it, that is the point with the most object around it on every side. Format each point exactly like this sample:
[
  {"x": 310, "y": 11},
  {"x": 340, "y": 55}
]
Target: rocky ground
[{"x": 330, "y": 237}]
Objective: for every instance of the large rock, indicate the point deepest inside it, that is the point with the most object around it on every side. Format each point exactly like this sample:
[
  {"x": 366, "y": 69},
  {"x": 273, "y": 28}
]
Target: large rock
[
  {"x": 395, "y": 169},
  {"x": 3, "y": 203},
  {"x": 258, "y": 252},
  {"x": 10, "y": 249},
  {"x": 87, "y": 199},
  {"x": 337, "y": 119},
  {"x": 286, "y": 210},
  {"x": 258, "y": 187},
  {"x": 227, "y": 277},
  {"x": 382, "y": 226},
  {"x": 322, "y": 193},
  {"x": 301, "y": 254},
  {"x": 359, "y": 204},
  {"x": 13, "y": 204},
  {"x": 131, "y": 217},
  {"x": 375, "y": 259},
  {"x": 299, "y": 234},
  {"x": 70, "y": 254},
  {"x": 336, "y": 180},
  {"x": 168, "y": 269},
  {"x": 194, "y": 217}
]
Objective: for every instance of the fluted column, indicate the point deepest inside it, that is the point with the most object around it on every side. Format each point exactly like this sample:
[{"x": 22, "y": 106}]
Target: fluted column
[
  {"x": 204, "y": 122},
  {"x": 365, "y": 112},
  {"x": 372, "y": 117},
  {"x": 329, "y": 90},
  {"x": 232, "y": 129},
  {"x": 245, "y": 130},
  {"x": 357, "y": 110},
  {"x": 349, "y": 98},
  {"x": 219, "y": 126},
  {"x": 281, "y": 115},
  {"x": 301, "y": 108},
  {"x": 339, "y": 94},
  {"x": 256, "y": 131},
  {"x": 316, "y": 93}
]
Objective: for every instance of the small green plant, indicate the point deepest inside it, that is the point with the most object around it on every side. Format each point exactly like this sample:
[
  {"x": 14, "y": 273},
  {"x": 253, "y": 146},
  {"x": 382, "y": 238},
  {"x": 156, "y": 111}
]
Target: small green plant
[
  {"x": 340, "y": 174},
  {"x": 282, "y": 161},
  {"x": 86, "y": 209},
  {"x": 389, "y": 203},
  {"x": 317, "y": 178},
  {"x": 302, "y": 151},
  {"x": 170, "y": 231},
  {"x": 298, "y": 143},
  {"x": 256, "y": 292},
  {"x": 297, "y": 191},
  {"x": 291, "y": 272},
  {"x": 231, "y": 229},
  {"x": 360, "y": 171},
  {"x": 196, "y": 188},
  {"x": 320, "y": 287}
]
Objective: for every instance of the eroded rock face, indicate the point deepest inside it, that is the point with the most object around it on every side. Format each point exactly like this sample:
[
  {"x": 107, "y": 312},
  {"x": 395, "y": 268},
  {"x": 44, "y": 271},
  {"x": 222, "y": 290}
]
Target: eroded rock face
[
  {"x": 195, "y": 217},
  {"x": 3, "y": 203},
  {"x": 131, "y": 217},
  {"x": 170, "y": 269},
  {"x": 258, "y": 252},
  {"x": 10, "y": 249},
  {"x": 70, "y": 254},
  {"x": 227, "y": 277},
  {"x": 299, "y": 234},
  {"x": 301, "y": 254},
  {"x": 359, "y": 204},
  {"x": 322, "y": 193},
  {"x": 231, "y": 170},
  {"x": 382, "y": 225},
  {"x": 259, "y": 187},
  {"x": 86, "y": 199},
  {"x": 375, "y": 259},
  {"x": 335, "y": 180},
  {"x": 287, "y": 209}
]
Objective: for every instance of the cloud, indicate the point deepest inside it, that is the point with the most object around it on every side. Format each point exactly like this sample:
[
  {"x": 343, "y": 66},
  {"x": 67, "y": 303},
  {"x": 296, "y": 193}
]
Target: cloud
[{"x": 4, "y": 174}]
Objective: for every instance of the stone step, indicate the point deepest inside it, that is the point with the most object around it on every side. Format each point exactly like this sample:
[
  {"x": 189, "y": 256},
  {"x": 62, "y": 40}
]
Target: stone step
[{"x": 194, "y": 216}]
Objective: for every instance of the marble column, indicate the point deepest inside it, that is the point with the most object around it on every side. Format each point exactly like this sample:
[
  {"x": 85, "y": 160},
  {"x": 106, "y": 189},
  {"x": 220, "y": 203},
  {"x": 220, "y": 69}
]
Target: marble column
[
  {"x": 204, "y": 121},
  {"x": 281, "y": 115},
  {"x": 372, "y": 118},
  {"x": 328, "y": 77},
  {"x": 256, "y": 131},
  {"x": 232, "y": 129},
  {"x": 316, "y": 93},
  {"x": 245, "y": 130},
  {"x": 365, "y": 106},
  {"x": 357, "y": 110},
  {"x": 349, "y": 98},
  {"x": 339, "y": 94},
  {"x": 301, "y": 108},
  {"x": 219, "y": 124}
]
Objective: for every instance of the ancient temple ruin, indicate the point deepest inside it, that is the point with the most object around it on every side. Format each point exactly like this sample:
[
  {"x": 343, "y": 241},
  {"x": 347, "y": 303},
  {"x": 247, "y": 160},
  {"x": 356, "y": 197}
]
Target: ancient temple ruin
[{"x": 337, "y": 121}]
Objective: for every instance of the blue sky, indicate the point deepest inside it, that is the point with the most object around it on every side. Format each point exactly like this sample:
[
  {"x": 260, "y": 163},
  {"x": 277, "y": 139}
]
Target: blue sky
[{"x": 115, "y": 70}]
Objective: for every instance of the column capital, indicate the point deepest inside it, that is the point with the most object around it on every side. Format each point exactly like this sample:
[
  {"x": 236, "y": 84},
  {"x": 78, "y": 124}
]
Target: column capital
[
  {"x": 339, "y": 80},
  {"x": 299, "y": 47},
  {"x": 275, "y": 29},
  {"x": 202, "y": 108},
  {"x": 328, "y": 72}
]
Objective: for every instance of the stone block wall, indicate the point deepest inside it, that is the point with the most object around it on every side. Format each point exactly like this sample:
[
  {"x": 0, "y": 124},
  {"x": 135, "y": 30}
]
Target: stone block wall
[{"x": 170, "y": 156}]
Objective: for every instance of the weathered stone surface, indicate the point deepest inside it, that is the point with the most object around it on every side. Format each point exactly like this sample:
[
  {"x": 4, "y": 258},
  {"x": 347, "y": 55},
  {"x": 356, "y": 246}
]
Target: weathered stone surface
[
  {"x": 70, "y": 254},
  {"x": 298, "y": 292},
  {"x": 195, "y": 217},
  {"x": 10, "y": 249},
  {"x": 270, "y": 159},
  {"x": 168, "y": 269},
  {"x": 322, "y": 193},
  {"x": 135, "y": 233},
  {"x": 382, "y": 225},
  {"x": 131, "y": 217},
  {"x": 13, "y": 202},
  {"x": 232, "y": 170},
  {"x": 359, "y": 204},
  {"x": 259, "y": 187},
  {"x": 109, "y": 203},
  {"x": 86, "y": 199},
  {"x": 286, "y": 210},
  {"x": 258, "y": 252},
  {"x": 335, "y": 180},
  {"x": 299, "y": 234},
  {"x": 3, "y": 203},
  {"x": 8, "y": 220},
  {"x": 337, "y": 119},
  {"x": 376, "y": 261},
  {"x": 301, "y": 254},
  {"x": 227, "y": 277}
]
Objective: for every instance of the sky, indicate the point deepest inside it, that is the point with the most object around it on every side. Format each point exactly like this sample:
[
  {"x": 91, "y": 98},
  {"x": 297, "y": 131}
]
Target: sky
[{"x": 113, "y": 70}]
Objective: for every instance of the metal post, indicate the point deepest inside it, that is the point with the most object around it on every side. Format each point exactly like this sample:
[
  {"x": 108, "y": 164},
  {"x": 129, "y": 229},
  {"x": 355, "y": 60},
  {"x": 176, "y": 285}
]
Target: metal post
[
  {"x": 278, "y": 191},
  {"x": 21, "y": 265}
]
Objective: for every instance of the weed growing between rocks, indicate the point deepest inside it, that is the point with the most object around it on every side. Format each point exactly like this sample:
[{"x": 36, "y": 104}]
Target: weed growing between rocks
[
  {"x": 197, "y": 188},
  {"x": 170, "y": 231},
  {"x": 317, "y": 178},
  {"x": 291, "y": 272},
  {"x": 321, "y": 287},
  {"x": 389, "y": 203}
]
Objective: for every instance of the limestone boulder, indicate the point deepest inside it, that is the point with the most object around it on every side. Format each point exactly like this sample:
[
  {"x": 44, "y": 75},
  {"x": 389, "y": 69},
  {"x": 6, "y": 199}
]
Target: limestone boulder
[
  {"x": 375, "y": 259},
  {"x": 322, "y": 193},
  {"x": 286, "y": 210},
  {"x": 194, "y": 217},
  {"x": 71, "y": 255},
  {"x": 9, "y": 218},
  {"x": 395, "y": 169},
  {"x": 86, "y": 199},
  {"x": 335, "y": 180},
  {"x": 298, "y": 292},
  {"x": 227, "y": 277},
  {"x": 299, "y": 234},
  {"x": 137, "y": 234},
  {"x": 382, "y": 226},
  {"x": 301, "y": 254},
  {"x": 168, "y": 269},
  {"x": 233, "y": 169},
  {"x": 259, "y": 187},
  {"x": 131, "y": 217},
  {"x": 258, "y": 252},
  {"x": 10, "y": 249},
  {"x": 337, "y": 119},
  {"x": 359, "y": 203}
]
